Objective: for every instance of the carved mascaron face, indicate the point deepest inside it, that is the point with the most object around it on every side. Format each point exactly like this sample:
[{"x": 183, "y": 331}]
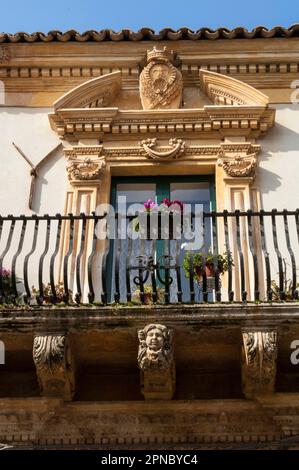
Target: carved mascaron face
[
  {"x": 159, "y": 74},
  {"x": 154, "y": 339}
]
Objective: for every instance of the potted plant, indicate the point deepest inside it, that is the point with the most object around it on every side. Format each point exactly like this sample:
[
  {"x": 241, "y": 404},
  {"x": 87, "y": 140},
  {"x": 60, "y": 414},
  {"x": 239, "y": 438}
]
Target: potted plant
[
  {"x": 148, "y": 295},
  {"x": 47, "y": 293},
  {"x": 7, "y": 286},
  {"x": 151, "y": 206},
  {"x": 210, "y": 259},
  {"x": 287, "y": 290}
]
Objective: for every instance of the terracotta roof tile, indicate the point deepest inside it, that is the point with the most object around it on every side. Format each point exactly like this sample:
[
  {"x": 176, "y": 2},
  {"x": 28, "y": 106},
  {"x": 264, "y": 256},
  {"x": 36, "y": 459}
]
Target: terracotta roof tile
[{"x": 147, "y": 34}]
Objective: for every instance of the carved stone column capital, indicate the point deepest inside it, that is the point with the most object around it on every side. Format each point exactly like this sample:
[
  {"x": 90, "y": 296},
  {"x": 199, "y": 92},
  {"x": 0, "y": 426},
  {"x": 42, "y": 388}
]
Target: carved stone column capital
[
  {"x": 54, "y": 365},
  {"x": 156, "y": 362},
  {"x": 238, "y": 165},
  {"x": 259, "y": 362}
]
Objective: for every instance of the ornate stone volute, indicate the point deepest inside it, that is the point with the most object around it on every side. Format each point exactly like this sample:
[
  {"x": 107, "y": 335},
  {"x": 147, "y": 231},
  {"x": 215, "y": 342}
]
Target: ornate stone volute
[
  {"x": 54, "y": 365},
  {"x": 160, "y": 81},
  {"x": 156, "y": 362}
]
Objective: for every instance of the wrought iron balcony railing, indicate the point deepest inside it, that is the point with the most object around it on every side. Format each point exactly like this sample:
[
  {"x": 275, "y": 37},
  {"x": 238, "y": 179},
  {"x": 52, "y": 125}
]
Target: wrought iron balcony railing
[{"x": 242, "y": 257}]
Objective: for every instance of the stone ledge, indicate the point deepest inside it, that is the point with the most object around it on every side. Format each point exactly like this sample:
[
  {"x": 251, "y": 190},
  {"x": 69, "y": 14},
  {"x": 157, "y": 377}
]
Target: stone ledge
[{"x": 84, "y": 318}]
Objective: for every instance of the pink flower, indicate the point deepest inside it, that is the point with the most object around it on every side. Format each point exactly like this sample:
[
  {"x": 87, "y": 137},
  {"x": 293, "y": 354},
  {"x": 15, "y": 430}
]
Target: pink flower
[
  {"x": 179, "y": 203},
  {"x": 5, "y": 272},
  {"x": 150, "y": 205},
  {"x": 166, "y": 202}
]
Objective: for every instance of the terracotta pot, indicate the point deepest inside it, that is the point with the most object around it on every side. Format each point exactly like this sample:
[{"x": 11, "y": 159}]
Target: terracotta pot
[{"x": 209, "y": 270}]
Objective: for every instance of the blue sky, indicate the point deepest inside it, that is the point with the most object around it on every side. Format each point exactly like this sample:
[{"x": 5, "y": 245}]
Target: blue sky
[{"x": 38, "y": 15}]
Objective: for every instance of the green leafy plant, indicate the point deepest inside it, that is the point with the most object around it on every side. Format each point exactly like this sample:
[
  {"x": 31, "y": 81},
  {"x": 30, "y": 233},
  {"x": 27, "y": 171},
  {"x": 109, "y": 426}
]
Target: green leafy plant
[
  {"x": 8, "y": 286},
  {"x": 148, "y": 295},
  {"x": 210, "y": 258},
  {"x": 287, "y": 290},
  {"x": 47, "y": 292}
]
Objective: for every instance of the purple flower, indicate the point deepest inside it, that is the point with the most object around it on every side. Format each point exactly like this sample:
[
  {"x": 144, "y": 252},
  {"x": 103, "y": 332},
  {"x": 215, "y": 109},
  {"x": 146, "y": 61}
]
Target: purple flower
[
  {"x": 5, "y": 272},
  {"x": 149, "y": 205}
]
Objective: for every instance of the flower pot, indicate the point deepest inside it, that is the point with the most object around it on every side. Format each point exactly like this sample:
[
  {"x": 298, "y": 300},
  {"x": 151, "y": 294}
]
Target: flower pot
[{"x": 209, "y": 270}]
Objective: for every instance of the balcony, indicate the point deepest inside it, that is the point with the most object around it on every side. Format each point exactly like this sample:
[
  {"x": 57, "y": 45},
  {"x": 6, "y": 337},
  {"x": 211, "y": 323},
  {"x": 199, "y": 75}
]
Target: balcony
[{"x": 242, "y": 257}]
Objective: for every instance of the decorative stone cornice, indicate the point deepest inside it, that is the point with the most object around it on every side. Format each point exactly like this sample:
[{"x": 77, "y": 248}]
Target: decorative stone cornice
[
  {"x": 238, "y": 166},
  {"x": 54, "y": 365},
  {"x": 221, "y": 121},
  {"x": 259, "y": 362}
]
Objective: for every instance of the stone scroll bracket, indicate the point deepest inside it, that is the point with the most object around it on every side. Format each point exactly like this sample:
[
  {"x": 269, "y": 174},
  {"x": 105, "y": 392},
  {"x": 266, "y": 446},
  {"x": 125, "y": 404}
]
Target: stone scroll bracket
[
  {"x": 156, "y": 362},
  {"x": 54, "y": 364},
  {"x": 259, "y": 362}
]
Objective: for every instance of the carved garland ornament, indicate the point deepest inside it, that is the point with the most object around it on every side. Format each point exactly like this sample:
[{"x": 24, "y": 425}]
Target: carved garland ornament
[
  {"x": 86, "y": 170},
  {"x": 177, "y": 148},
  {"x": 238, "y": 165},
  {"x": 160, "y": 82}
]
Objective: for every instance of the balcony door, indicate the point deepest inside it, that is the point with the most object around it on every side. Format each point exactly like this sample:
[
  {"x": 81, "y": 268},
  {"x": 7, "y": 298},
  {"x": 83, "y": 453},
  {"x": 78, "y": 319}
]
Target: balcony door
[{"x": 188, "y": 189}]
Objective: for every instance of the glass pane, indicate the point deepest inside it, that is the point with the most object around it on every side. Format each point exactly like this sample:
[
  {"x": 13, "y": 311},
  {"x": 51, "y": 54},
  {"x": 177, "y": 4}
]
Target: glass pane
[
  {"x": 136, "y": 192},
  {"x": 191, "y": 192}
]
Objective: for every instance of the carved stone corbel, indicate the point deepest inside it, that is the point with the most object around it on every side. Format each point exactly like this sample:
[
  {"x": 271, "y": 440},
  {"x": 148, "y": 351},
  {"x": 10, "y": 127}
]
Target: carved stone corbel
[
  {"x": 156, "y": 362},
  {"x": 54, "y": 365},
  {"x": 259, "y": 362},
  {"x": 238, "y": 165}
]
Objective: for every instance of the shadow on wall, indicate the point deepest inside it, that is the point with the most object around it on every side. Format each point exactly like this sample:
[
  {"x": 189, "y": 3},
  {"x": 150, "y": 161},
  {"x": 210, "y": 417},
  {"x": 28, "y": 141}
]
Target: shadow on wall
[
  {"x": 268, "y": 181},
  {"x": 41, "y": 181},
  {"x": 280, "y": 141}
]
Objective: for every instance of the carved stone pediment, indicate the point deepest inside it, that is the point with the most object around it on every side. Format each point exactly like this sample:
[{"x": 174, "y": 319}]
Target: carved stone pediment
[
  {"x": 238, "y": 165},
  {"x": 160, "y": 81},
  {"x": 176, "y": 148},
  {"x": 225, "y": 90},
  {"x": 95, "y": 93}
]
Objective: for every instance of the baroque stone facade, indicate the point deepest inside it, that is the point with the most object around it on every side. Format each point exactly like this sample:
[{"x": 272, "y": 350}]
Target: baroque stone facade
[{"x": 190, "y": 375}]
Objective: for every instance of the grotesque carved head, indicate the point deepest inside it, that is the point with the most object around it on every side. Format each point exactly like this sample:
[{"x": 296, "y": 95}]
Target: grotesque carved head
[{"x": 155, "y": 346}]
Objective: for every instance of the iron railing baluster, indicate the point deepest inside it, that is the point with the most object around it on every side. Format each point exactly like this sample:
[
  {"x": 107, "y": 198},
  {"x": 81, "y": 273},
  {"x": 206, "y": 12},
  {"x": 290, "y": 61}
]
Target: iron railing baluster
[
  {"x": 274, "y": 213},
  {"x": 254, "y": 256}
]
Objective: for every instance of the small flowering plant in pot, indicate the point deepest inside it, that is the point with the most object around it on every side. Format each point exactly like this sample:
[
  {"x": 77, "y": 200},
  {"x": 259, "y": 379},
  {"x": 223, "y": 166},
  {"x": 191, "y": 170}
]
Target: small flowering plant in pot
[
  {"x": 148, "y": 295},
  {"x": 47, "y": 297},
  {"x": 8, "y": 286},
  {"x": 167, "y": 206},
  {"x": 210, "y": 259}
]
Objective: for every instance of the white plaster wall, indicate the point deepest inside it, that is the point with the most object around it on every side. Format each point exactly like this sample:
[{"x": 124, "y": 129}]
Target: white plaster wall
[
  {"x": 278, "y": 172},
  {"x": 30, "y": 130}
]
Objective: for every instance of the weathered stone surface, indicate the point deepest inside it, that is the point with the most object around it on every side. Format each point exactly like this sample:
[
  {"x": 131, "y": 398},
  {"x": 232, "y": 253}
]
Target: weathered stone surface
[
  {"x": 259, "y": 362},
  {"x": 156, "y": 362},
  {"x": 54, "y": 365}
]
